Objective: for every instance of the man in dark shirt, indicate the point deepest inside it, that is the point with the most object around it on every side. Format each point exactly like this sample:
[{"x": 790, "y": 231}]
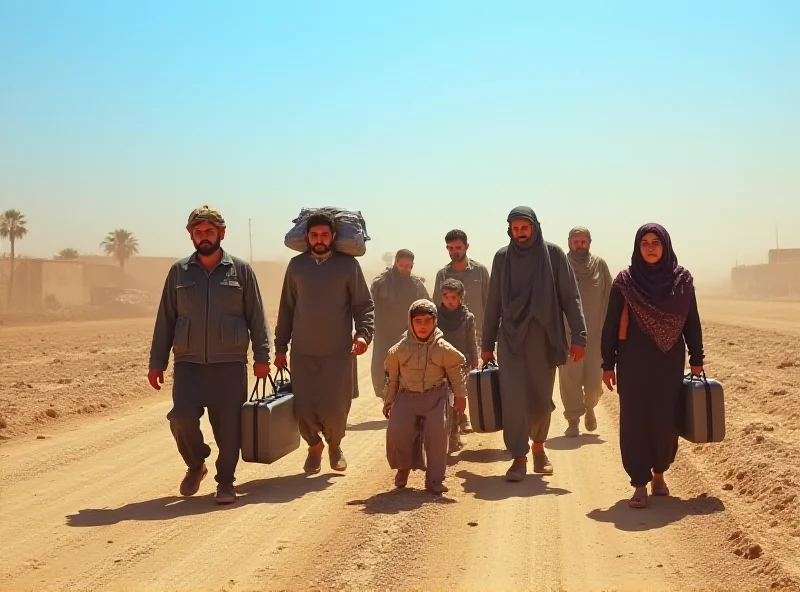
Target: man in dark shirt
[
  {"x": 475, "y": 278},
  {"x": 324, "y": 295},
  {"x": 209, "y": 313}
]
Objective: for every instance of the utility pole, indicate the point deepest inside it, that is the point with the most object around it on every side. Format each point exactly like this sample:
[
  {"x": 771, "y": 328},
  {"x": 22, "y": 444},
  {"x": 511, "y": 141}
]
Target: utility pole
[{"x": 250, "y": 231}]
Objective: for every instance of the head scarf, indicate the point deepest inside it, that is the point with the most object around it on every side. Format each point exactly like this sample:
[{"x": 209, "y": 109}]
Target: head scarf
[
  {"x": 661, "y": 294},
  {"x": 205, "y": 214},
  {"x": 529, "y": 291},
  {"x": 585, "y": 268},
  {"x": 422, "y": 307}
]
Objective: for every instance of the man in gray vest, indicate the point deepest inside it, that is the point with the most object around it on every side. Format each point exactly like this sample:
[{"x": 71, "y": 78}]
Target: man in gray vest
[{"x": 210, "y": 312}]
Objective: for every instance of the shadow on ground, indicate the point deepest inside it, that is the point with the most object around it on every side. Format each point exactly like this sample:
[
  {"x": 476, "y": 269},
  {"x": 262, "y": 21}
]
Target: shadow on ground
[
  {"x": 494, "y": 488},
  {"x": 368, "y": 426},
  {"x": 660, "y": 512},
  {"x": 483, "y": 455},
  {"x": 259, "y": 491},
  {"x": 399, "y": 500},
  {"x": 564, "y": 443}
]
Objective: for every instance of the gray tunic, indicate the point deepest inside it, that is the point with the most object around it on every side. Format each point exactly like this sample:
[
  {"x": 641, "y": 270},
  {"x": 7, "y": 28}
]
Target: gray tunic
[
  {"x": 527, "y": 368},
  {"x": 320, "y": 304},
  {"x": 581, "y": 383}
]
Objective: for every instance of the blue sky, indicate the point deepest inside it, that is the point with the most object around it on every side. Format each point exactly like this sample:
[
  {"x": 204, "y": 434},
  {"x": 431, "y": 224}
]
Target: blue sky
[{"x": 424, "y": 115}]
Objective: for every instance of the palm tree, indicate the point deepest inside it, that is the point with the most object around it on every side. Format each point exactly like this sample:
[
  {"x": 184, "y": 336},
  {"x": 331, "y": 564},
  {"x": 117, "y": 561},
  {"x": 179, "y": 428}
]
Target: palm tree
[
  {"x": 68, "y": 254},
  {"x": 120, "y": 244},
  {"x": 12, "y": 227}
]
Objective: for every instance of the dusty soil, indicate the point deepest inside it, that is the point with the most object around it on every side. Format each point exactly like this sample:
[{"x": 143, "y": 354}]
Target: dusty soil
[{"x": 93, "y": 504}]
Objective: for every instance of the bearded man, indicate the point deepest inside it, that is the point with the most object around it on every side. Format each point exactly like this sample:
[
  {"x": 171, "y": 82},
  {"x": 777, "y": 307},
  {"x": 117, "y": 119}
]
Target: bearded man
[
  {"x": 581, "y": 383},
  {"x": 210, "y": 312},
  {"x": 324, "y": 295},
  {"x": 475, "y": 278},
  {"x": 393, "y": 292},
  {"x": 532, "y": 288}
]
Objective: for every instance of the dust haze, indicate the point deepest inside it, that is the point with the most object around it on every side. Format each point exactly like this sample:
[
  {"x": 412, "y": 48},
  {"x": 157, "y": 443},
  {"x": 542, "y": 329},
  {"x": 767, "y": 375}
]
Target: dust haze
[{"x": 89, "y": 473}]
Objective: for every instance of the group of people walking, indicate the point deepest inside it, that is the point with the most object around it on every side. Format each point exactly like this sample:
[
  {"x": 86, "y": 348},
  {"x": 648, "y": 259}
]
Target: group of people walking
[{"x": 539, "y": 311}]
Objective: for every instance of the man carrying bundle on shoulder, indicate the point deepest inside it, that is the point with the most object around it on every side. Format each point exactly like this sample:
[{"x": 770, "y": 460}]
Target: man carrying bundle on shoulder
[{"x": 324, "y": 295}]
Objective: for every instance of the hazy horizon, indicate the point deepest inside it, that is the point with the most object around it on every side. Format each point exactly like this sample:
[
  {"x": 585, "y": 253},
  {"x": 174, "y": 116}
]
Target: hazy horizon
[{"x": 426, "y": 117}]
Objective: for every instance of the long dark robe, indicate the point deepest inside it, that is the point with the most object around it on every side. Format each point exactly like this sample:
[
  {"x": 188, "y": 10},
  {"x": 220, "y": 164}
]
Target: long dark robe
[{"x": 648, "y": 382}]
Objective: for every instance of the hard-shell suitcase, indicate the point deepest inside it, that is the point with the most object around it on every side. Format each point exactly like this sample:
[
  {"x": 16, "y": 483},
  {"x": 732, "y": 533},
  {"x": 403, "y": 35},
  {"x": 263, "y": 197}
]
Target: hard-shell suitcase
[
  {"x": 269, "y": 426},
  {"x": 483, "y": 397},
  {"x": 702, "y": 410}
]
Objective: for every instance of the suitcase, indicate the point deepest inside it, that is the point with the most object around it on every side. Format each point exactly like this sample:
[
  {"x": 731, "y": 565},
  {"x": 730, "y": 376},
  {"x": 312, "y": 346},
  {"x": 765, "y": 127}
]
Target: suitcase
[
  {"x": 702, "y": 410},
  {"x": 269, "y": 426},
  {"x": 483, "y": 397}
]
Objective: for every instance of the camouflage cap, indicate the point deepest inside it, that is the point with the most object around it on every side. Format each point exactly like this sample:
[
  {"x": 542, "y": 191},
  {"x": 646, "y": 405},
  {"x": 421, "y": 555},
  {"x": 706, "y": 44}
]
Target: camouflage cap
[{"x": 205, "y": 214}]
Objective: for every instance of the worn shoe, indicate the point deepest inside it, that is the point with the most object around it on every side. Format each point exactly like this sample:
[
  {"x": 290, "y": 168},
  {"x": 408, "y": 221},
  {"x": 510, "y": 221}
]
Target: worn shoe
[
  {"x": 573, "y": 430},
  {"x": 464, "y": 425},
  {"x": 436, "y": 488},
  {"x": 191, "y": 481},
  {"x": 226, "y": 494},
  {"x": 401, "y": 478},
  {"x": 542, "y": 464},
  {"x": 518, "y": 469},
  {"x": 336, "y": 457},
  {"x": 590, "y": 420},
  {"x": 455, "y": 443},
  {"x": 659, "y": 487},
  {"x": 314, "y": 459}
]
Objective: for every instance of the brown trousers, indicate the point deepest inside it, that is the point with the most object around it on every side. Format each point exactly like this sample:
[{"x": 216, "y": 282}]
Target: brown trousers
[{"x": 402, "y": 434}]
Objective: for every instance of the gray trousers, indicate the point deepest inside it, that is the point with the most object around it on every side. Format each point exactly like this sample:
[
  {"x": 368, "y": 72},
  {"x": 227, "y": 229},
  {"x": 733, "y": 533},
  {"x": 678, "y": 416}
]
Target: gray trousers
[
  {"x": 222, "y": 389},
  {"x": 323, "y": 388},
  {"x": 581, "y": 384},
  {"x": 526, "y": 390},
  {"x": 402, "y": 432}
]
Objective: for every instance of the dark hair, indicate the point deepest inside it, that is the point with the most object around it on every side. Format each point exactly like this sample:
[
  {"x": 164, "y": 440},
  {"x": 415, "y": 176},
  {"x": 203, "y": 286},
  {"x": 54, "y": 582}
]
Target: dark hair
[
  {"x": 453, "y": 285},
  {"x": 404, "y": 254},
  {"x": 455, "y": 235},
  {"x": 320, "y": 220}
]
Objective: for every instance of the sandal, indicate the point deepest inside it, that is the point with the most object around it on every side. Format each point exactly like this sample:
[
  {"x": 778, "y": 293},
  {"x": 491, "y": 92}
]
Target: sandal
[
  {"x": 639, "y": 499},
  {"x": 659, "y": 487}
]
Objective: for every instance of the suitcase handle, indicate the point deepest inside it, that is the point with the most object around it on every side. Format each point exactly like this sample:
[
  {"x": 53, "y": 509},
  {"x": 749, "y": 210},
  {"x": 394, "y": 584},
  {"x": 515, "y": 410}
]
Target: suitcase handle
[
  {"x": 487, "y": 365},
  {"x": 254, "y": 396},
  {"x": 701, "y": 376}
]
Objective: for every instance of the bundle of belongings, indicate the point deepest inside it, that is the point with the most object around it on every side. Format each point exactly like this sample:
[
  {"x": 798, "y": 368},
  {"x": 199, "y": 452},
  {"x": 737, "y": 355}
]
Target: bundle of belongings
[{"x": 351, "y": 230}]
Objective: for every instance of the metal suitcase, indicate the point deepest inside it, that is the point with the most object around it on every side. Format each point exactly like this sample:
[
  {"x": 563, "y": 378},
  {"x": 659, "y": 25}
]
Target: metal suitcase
[
  {"x": 269, "y": 426},
  {"x": 483, "y": 397},
  {"x": 702, "y": 409}
]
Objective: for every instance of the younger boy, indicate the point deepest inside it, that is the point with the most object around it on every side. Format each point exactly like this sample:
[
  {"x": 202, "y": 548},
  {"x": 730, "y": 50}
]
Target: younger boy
[
  {"x": 419, "y": 368},
  {"x": 458, "y": 326}
]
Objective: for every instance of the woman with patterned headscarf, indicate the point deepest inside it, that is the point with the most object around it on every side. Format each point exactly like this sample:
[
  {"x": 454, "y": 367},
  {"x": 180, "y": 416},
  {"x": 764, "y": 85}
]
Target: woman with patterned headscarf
[{"x": 652, "y": 318}]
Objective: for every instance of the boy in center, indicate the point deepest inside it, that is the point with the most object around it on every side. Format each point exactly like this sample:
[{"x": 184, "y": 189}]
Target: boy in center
[{"x": 420, "y": 367}]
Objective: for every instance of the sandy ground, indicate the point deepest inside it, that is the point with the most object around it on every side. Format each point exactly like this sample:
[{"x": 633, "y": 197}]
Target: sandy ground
[{"x": 89, "y": 493}]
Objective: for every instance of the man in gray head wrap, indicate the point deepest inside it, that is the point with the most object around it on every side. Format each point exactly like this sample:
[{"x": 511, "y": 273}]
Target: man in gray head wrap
[
  {"x": 532, "y": 288},
  {"x": 581, "y": 383}
]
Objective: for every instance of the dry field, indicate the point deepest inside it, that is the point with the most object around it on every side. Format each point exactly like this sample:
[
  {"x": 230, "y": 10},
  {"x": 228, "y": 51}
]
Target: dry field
[{"x": 89, "y": 476}]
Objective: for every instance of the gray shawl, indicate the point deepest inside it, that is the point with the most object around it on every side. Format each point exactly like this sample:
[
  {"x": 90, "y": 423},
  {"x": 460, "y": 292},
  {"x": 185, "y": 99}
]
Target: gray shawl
[{"x": 529, "y": 290}]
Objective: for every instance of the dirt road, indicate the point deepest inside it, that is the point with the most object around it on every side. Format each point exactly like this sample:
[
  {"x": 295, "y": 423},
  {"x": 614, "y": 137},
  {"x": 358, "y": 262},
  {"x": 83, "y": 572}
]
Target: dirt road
[{"x": 94, "y": 506}]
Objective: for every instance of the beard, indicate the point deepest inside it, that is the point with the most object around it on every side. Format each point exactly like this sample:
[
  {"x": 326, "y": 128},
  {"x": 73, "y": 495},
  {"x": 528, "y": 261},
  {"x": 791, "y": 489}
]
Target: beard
[
  {"x": 207, "y": 248},
  {"x": 581, "y": 255},
  {"x": 320, "y": 248},
  {"x": 456, "y": 257}
]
